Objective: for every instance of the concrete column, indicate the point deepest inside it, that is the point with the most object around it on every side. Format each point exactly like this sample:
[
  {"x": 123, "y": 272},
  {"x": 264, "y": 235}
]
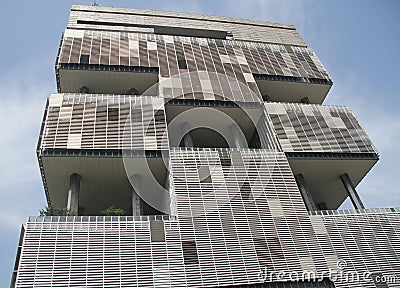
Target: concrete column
[
  {"x": 135, "y": 204},
  {"x": 167, "y": 182},
  {"x": 305, "y": 100},
  {"x": 237, "y": 135},
  {"x": 187, "y": 139},
  {"x": 351, "y": 191},
  {"x": 84, "y": 89},
  {"x": 136, "y": 207},
  {"x": 73, "y": 192},
  {"x": 305, "y": 192}
]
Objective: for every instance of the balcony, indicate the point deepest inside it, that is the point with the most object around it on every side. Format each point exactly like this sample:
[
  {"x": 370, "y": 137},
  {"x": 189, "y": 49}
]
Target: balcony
[
  {"x": 102, "y": 79},
  {"x": 36, "y": 219},
  {"x": 322, "y": 175},
  {"x": 213, "y": 124},
  {"x": 104, "y": 181},
  {"x": 322, "y": 143},
  {"x": 345, "y": 212},
  {"x": 88, "y": 135},
  {"x": 292, "y": 89}
]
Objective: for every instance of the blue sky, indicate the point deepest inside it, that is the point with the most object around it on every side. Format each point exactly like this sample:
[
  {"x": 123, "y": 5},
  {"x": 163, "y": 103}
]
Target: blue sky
[{"x": 357, "y": 41}]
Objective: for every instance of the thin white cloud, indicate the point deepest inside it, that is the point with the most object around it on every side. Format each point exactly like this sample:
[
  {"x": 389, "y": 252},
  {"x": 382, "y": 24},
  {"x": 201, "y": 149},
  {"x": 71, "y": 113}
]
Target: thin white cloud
[
  {"x": 22, "y": 101},
  {"x": 379, "y": 188},
  {"x": 182, "y": 6},
  {"x": 382, "y": 127},
  {"x": 19, "y": 131},
  {"x": 291, "y": 12}
]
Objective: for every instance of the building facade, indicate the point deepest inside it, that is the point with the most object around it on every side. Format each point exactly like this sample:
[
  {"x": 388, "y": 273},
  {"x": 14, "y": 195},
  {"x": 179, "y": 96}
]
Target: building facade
[{"x": 211, "y": 134}]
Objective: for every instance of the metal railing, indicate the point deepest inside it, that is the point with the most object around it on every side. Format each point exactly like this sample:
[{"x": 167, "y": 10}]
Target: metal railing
[
  {"x": 355, "y": 211},
  {"x": 100, "y": 218}
]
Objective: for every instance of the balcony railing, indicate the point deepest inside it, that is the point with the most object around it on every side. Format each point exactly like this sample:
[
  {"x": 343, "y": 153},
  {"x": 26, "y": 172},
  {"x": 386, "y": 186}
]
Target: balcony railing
[
  {"x": 100, "y": 218},
  {"x": 355, "y": 211}
]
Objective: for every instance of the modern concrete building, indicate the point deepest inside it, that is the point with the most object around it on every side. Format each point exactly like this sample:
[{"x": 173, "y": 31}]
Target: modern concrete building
[{"x": 211, "y": 134}]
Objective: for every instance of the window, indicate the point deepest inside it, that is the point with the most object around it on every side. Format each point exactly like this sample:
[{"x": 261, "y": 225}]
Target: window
[
  {"x": 157, "y": 231},
  {"x": 164, "y": 30},
  {"x": 190, "y": 252},
  {"x": 113, "y": 114},
  {"x": 84, "y": 59},
  {"x": 204, "y": 174},
  {"x": 264, "y": 258},
  {"x": 225, "y": 162},
  {"x": 136, "y": 115},
  {"x": 224, "y": 158},
  {"x": 182, "y": 64},
  {"x": 245, "y": 191}
]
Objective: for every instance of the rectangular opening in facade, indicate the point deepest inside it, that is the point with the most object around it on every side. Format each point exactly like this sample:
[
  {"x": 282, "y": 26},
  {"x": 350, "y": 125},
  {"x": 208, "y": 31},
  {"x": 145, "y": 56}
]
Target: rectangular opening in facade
[
  {"x": 264, "y": 258},
  {"x": 204, "y": 174},
  {"x": 157, "y": 232},
  {"x": 148, "y": 210},
  {"x": 164, "y": 30},
  {"x": 245, "y": 191},
  {"x": 224, "y": 158},
  {"x": 182, "y": 64},
  {"x": 113, "y": 114},
  {"x": 225, "y": 162},
  {"x": 190, "y": 256},
  {"x": 217, "y": 134},
  {"x": 292, "y": 89},
  {"x": 84, "y": 59},
  {"x": 229, "y": 35},
  {"x": 92, "y": 79}
]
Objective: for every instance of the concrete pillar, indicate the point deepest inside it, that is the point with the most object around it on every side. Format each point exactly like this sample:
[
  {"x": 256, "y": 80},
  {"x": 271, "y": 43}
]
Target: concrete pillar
[
  {"x": 136, "y": 206},
  {"x": 167, "y": 182},
  {"x": 133, "y": 91},
  {"x": 305, "y": 100},
  {"x": 73, "y": 192},
  {"x": 237, "y": 135},
  {"x": 187, "y": 138},
  {"x": 305, "y": 192},
  {"x": 351, "y": 191},
  {"x": 84, "y": 89}
]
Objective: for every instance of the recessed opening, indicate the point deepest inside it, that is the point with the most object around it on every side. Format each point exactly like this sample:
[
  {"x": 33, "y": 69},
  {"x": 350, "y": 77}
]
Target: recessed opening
[
  {"x": 84, "y": 59},
  {"x": 262, "y": 251},
  {"x": 292, "y": 89},
  {"x": 322, "y": 177},
  {"x": 225, "y": 162},
  {"x": 245, "y": 191},
  {"x": 157, "y": 232},
  {"x": 113, "y": 114},
  {"x": 322, "y": 206},
  {"x": 108, "y": 186},
  {"x": 147, "y": 210},
  {"x": 206, "y": 138},
  {"x": 204, "y": 174},
  {"x": 182, "y": 64},
  {"x": 164, "y": 30},
  {"x": 108, "y": 82},
  {"x": 190, "y": 256},
  {"x": 136, "y": 115},
  {"x": 211, "y": 127},
  {"x": 156, "y": 181}
]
